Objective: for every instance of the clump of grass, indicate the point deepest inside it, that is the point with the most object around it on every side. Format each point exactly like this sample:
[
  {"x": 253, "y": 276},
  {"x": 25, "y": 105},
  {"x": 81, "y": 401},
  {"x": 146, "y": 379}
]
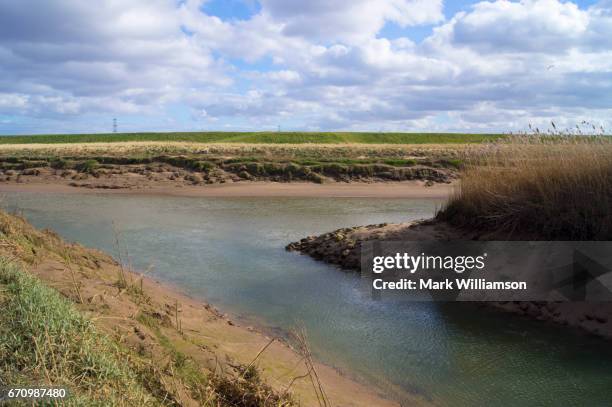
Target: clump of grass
[
  {"x": 89, "y": 166},
  {"x": 400, "y": 162},
  {"x": 451, "y": 162},
  {"x": 538, "y": 186},
  {"x": 61, "y": 163},
  {"x": 44, "y": 340},
  {"x": 247, "y": 389}
]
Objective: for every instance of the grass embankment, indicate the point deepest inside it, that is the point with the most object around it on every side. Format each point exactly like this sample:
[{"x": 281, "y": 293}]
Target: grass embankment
[
  {"x": 537, "y": 186},
  {"x": 104, "y": 337},
  {"x": 259, "y": 137}
]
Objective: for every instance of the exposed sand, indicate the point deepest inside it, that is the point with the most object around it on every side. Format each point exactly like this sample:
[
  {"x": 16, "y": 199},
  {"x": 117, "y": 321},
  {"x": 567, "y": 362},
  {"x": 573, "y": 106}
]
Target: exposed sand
[
  {"x": 406, "y": 189},
  {"x": 207, "y": 335}
]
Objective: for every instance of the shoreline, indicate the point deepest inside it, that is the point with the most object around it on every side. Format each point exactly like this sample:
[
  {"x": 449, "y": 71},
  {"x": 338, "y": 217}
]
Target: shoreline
[
  {"x": 251, "y": 325},
  {"x": 342, "y": 248},
  {"x": 253, "y": 189},
  {"x": 148, "y": 314}
]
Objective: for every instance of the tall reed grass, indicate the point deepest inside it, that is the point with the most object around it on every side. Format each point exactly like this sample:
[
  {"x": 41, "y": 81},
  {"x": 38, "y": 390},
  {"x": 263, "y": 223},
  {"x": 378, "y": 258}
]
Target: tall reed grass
[{"x": 537, "y": 187}]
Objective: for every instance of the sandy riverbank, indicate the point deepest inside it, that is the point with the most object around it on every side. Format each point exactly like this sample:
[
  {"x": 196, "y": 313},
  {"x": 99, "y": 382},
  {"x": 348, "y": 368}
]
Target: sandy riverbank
[{"x": 405, "y": 189}]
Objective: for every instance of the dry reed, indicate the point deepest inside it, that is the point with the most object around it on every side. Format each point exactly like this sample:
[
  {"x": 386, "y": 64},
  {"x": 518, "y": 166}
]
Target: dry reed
[{"x": 540, "y": 187}]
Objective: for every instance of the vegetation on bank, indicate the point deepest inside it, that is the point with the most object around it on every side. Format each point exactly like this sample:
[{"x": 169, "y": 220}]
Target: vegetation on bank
[
  {"x": 259, "y": 138},
  {"x": 214, "y": 169},
  {"x": 219, "y": 163},
  {"x": 537, "y": 186},
  {"x": 44, "y": 340},
  {"x": 47, "y": 340}
]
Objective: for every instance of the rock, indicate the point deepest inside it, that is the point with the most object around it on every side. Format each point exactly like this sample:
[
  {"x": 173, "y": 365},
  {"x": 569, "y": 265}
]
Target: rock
[
  {"x": 245, "y": 175},
  {"x": 68, "y": 173},
  {"x": 194, "y": 178},
  {"x": 139, "y": 333},
  {"x": 316, "y": 178},
  {"x": 31, "y": 171}
]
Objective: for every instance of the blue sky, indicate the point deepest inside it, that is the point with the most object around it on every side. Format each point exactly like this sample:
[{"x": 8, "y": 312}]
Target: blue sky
[{"x": 391, "y": 65}]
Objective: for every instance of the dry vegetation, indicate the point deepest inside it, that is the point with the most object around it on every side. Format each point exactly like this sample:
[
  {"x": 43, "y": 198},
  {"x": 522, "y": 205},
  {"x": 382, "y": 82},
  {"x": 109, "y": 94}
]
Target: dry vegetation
[{"x": 537, "y": 186}]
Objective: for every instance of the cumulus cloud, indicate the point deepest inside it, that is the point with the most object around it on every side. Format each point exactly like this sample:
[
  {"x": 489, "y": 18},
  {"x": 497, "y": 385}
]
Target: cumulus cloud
[
  {"x": 80, "y": 55},
  {"x": 529, "y": 26},
  {"x": 348, "y": 21},
  {"x": 497, "y": 65}
]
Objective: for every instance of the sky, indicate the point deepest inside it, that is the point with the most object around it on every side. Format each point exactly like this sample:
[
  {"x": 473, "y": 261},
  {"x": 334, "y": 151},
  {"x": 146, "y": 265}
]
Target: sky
[{"x": 71, "y": 66}]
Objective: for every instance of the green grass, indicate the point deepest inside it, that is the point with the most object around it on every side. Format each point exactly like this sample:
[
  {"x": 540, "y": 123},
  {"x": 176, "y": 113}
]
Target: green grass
[
  {"x": 259, "y": 137},
  {"x": 44, "y": 339}
]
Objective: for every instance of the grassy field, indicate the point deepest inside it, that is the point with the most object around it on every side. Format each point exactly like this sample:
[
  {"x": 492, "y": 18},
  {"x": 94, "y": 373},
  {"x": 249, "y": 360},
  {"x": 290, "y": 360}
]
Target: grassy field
[{"x": 259, "y": 138}]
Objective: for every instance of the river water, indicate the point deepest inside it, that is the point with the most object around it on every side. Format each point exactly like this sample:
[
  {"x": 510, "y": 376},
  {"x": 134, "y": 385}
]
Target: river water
[{"x": 230, "y": 251}]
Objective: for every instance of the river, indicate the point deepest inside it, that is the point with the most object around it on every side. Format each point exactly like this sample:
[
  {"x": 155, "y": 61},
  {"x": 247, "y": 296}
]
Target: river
[{"x": 230, "y": 252}]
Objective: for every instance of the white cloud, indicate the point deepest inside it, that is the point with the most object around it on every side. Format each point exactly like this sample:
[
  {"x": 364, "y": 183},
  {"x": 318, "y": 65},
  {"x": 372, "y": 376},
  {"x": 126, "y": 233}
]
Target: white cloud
[
  {"x": 13, "y": 101},
  {"x": 547, "y": 26},
  {"x": 348, "y": 21},
  {"x": 81, "y": 55}
]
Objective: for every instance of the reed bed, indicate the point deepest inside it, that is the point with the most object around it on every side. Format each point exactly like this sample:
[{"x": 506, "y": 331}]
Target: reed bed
[{"x": 538, "y": 187}]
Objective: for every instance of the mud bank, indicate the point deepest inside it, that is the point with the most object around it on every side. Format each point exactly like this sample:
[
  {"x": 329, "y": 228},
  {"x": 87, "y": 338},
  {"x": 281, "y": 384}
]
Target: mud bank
[
  {"x": 342, "y": 247},
  {"x": 116, "y": 172}
]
